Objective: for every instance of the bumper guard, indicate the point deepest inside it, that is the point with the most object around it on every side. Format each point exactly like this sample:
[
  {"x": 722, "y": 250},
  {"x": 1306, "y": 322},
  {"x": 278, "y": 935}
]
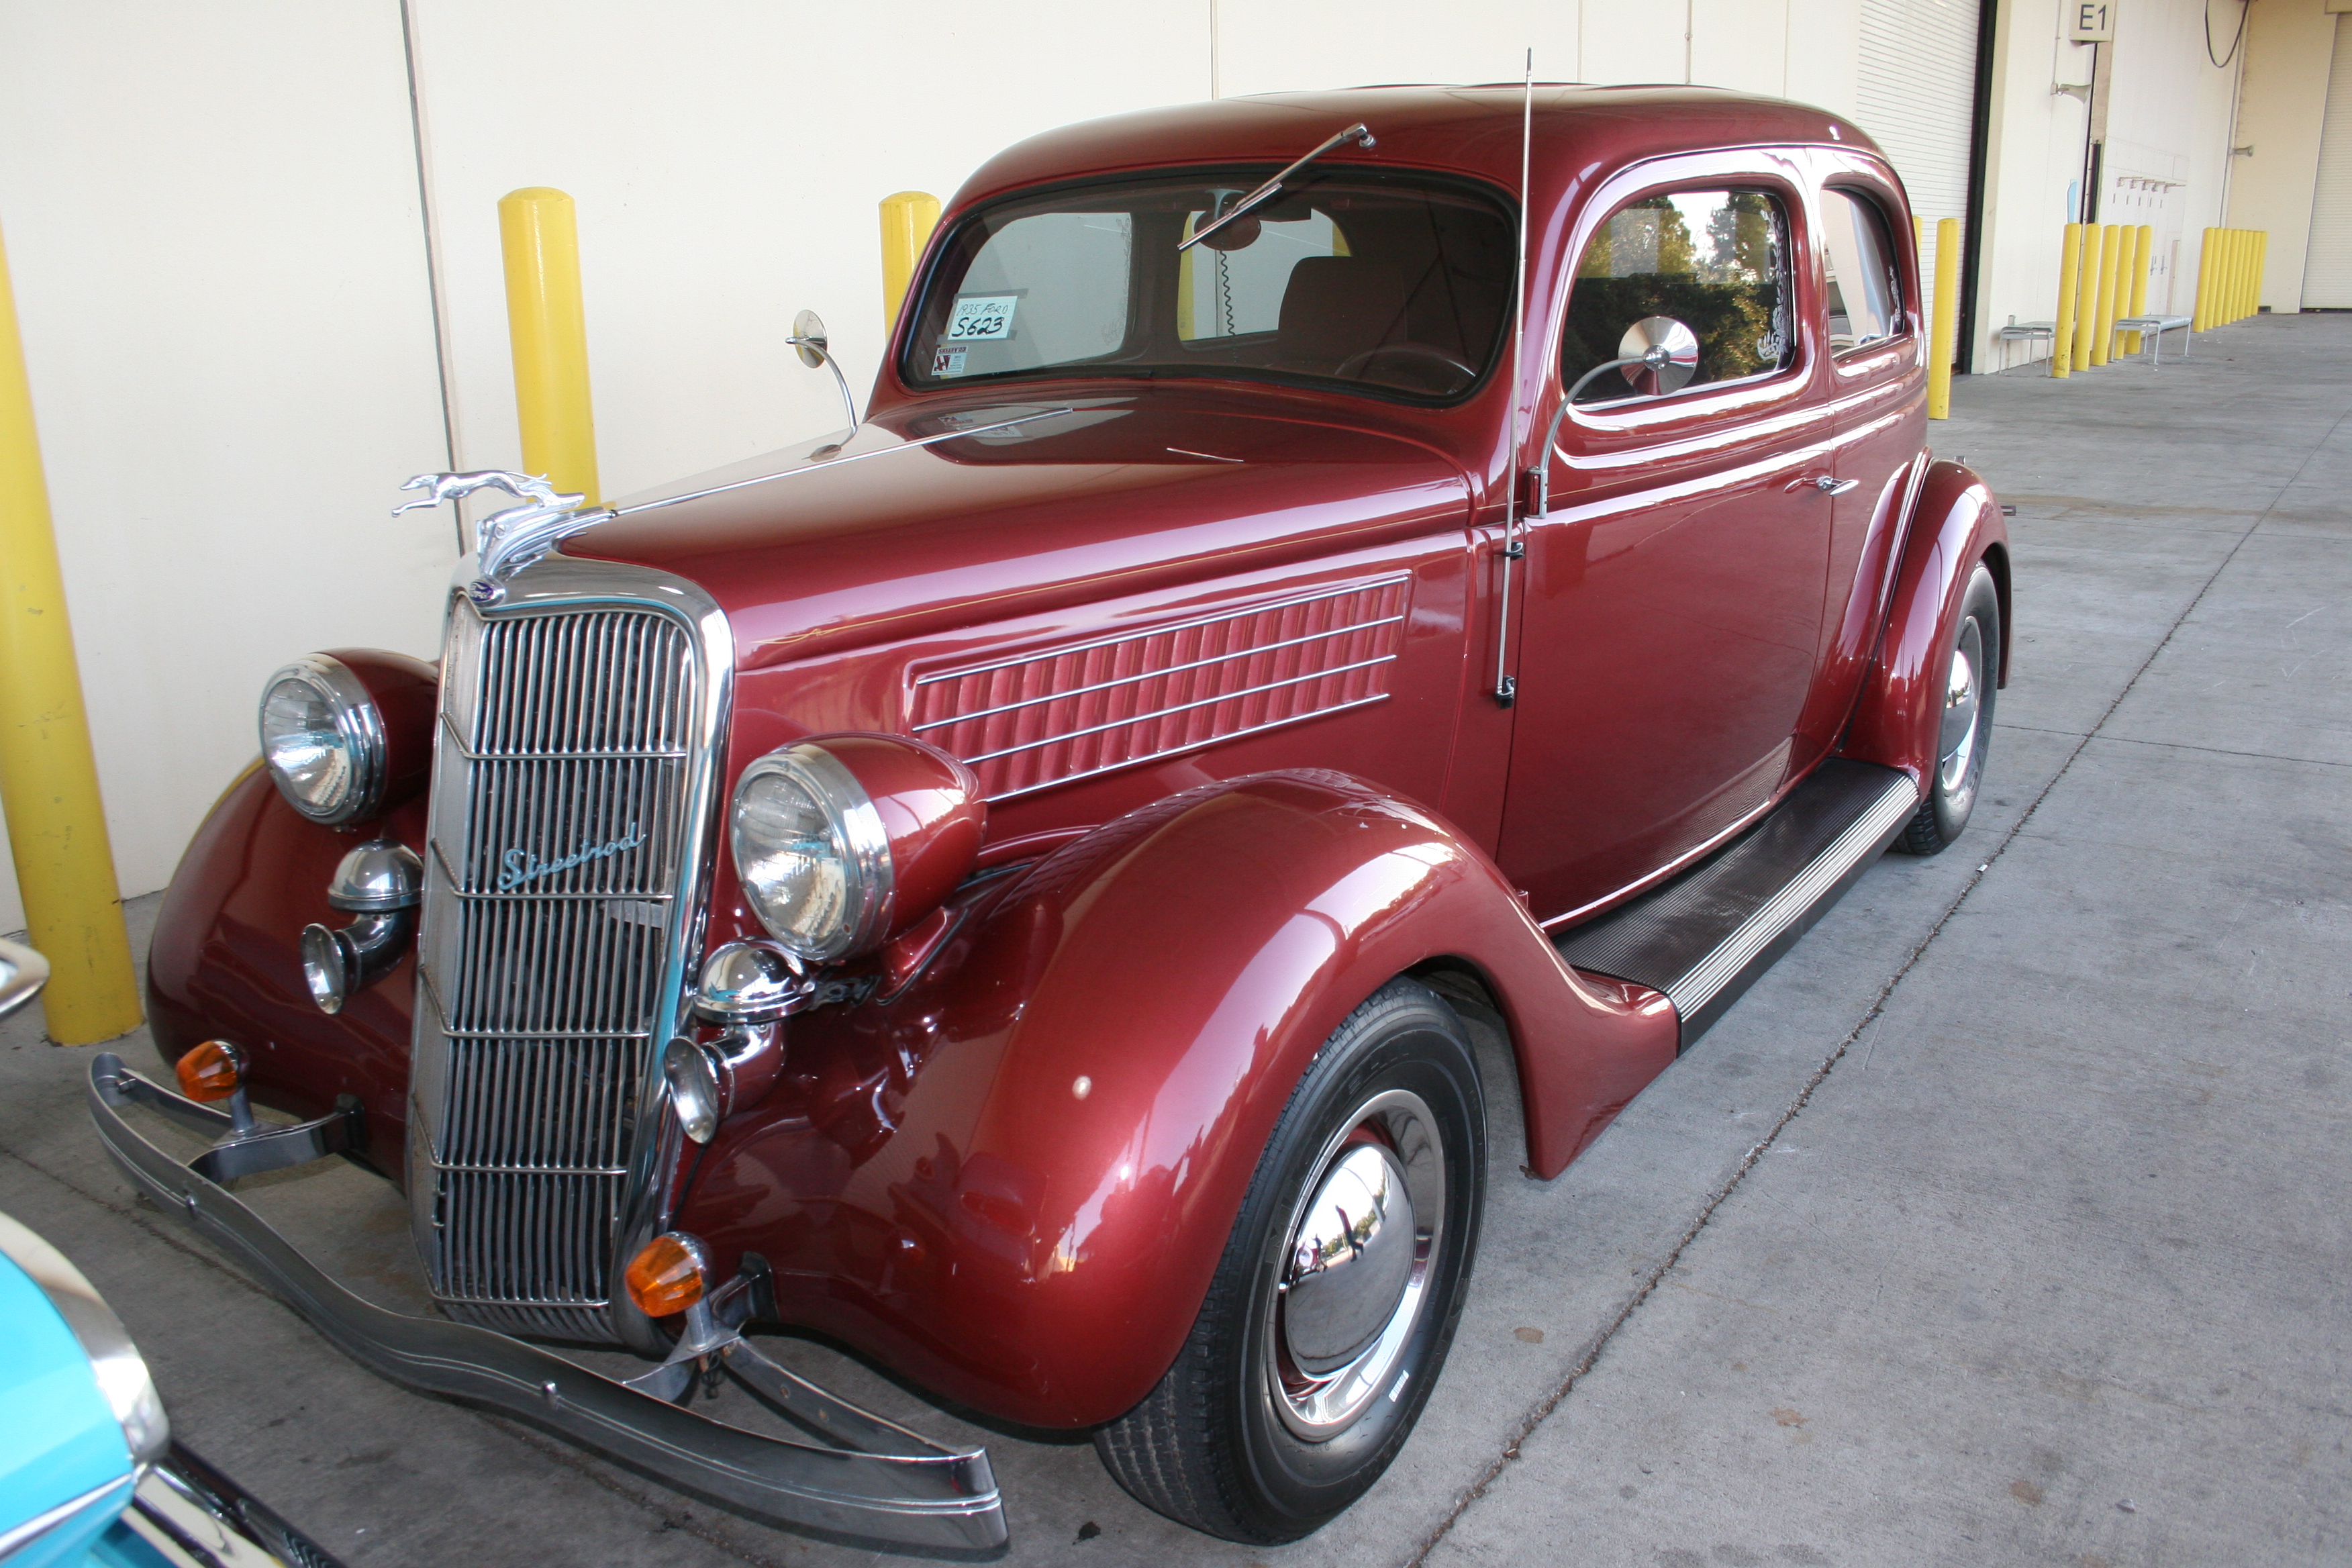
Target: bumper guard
[{"x": 882, "y": 1482}]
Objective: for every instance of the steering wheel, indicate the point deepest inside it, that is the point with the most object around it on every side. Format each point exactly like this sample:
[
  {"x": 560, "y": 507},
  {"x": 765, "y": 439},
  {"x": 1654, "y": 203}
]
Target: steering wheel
[{"x": 1424, "y": 356}]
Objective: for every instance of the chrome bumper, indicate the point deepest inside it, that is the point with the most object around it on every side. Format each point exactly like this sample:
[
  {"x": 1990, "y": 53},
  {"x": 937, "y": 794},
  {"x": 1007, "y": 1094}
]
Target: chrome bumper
[{"x": 882, "y": 1483}]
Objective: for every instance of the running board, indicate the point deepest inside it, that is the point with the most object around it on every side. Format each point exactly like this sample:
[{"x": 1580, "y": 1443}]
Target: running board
[{"x": 1704, "y": 938}]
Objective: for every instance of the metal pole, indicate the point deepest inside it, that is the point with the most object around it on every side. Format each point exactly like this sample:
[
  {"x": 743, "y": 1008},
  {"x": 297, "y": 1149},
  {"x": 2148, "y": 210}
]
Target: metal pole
[
  {"x": 1948, "y": 318},
  {"x": 2208, "y": 269},
  {"x": 539, "y": 232},
  {"x": 2070, "y": 268},
  {"x": 908, "y": 219},
  {"x": 48, "y": 779}
]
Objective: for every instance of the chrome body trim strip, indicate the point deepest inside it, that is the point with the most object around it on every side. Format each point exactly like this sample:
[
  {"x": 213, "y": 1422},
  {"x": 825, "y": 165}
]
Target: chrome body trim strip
[
  {"x": 1185, "y": 708},
  {"x": 1865, "y": 835},
  {"x": 1150, "y": 674},
  {"x": 19, "y": 1537},
  {"x": 902, "y": 1488},
  {"x": 1387, "y": 580},
  {"x": 1060, "y": 780}
]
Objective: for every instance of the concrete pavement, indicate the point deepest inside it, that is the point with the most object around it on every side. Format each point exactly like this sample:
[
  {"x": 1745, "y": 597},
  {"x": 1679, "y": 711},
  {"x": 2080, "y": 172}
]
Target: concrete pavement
[{"x": 2000, "y": 1222}]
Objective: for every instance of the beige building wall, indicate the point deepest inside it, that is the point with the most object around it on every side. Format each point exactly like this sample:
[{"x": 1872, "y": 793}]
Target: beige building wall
[
  {"x": 217, "y": 217},
  {"x": 2289, "y": 47},
  {"x": 2165, "y": 117}
]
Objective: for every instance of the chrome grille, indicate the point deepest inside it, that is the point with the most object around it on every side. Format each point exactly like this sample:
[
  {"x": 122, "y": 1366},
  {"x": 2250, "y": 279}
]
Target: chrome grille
[{"x": 561, "y": 836}]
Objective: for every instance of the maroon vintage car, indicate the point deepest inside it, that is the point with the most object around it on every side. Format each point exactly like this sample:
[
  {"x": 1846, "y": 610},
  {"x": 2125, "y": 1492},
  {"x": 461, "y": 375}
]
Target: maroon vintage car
[{"x": 1002, "y": 887}]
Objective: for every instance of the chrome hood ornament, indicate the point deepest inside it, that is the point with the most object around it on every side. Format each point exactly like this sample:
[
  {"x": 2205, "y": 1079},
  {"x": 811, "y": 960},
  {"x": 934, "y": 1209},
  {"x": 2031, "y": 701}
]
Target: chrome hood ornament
[{"x": 509, "y": 541}]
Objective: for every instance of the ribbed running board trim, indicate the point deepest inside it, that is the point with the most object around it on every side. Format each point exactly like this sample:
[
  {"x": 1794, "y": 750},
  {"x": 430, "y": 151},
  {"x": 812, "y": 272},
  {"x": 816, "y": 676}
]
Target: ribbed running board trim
[{"x": 1703, "y": 939}]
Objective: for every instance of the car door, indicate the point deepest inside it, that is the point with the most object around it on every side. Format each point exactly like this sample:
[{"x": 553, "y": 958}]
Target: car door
[
  {"x": 1877, "y": 330},
  {"x": 1672, "y": 621}
]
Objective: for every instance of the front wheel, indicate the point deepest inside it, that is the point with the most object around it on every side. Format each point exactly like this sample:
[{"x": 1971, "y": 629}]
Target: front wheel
[
  {"x": 1970, "y": 670},
  {"x": 1332, "y": 1308}
]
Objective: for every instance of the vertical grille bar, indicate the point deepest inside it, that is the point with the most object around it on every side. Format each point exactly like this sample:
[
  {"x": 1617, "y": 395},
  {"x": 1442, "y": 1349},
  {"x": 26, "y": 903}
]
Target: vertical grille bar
[{"x": 561, "y": 825}]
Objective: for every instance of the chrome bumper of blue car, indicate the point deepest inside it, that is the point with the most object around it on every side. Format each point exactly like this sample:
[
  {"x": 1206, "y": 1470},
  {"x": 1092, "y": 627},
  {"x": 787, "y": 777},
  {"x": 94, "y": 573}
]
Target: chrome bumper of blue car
[{"x": 883, "y": 1482}]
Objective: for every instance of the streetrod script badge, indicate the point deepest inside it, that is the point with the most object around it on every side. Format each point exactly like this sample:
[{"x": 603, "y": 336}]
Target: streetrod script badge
[{"x": 523, "y": 866}]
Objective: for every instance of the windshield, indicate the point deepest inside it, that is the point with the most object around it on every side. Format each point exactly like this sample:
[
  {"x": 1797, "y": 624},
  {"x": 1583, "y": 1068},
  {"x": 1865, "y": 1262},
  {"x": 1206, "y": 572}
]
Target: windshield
[{"x": 1378, "y": 280}]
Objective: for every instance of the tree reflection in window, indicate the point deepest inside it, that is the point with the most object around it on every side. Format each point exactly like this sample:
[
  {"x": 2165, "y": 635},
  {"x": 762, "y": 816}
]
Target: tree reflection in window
[{"x": 1716, "y": 261}]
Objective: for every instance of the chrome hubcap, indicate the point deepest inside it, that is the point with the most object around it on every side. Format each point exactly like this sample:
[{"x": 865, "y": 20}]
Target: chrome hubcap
[
  {"x": 1352, "y": 1277},
  {"x": 1958, "y": 744}
]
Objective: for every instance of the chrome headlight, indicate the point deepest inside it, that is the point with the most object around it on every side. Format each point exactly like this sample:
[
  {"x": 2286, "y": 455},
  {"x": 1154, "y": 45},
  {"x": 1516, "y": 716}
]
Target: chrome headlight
[
  {"x": 323, "y": 740},
  {"x": 813, "y": 854}
]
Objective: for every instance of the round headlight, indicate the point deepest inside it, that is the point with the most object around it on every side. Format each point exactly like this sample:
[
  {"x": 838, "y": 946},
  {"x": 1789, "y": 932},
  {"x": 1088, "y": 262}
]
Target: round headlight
[
  {"x": 323, "y": 740},
  {"x": 813, "y": 854}
]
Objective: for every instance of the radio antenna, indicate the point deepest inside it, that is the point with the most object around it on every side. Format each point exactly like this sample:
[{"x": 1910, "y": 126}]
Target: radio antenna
[{"x": 1506, "y": 685}]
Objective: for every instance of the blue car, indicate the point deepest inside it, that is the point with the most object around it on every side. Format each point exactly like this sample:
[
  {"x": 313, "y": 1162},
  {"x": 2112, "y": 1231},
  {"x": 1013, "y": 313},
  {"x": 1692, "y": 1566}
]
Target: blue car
[{"x": 88, "y": 1473}]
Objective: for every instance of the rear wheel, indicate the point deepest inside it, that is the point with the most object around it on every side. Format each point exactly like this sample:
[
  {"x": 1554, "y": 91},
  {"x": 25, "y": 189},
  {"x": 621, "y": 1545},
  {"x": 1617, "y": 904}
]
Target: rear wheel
[
  {"x": 1332, "y": 1308},
  {"x": 1970, "y": 669}
]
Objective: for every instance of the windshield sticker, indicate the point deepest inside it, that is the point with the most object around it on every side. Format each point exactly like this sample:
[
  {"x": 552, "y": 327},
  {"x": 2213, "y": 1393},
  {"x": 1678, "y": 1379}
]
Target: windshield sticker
[
  {"x": 981, "y": 316},
  {"x": 949, "y": 362}
]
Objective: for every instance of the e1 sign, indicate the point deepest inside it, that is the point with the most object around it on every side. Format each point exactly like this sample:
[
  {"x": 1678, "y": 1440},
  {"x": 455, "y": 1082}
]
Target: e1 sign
[{"x": 2091, "y": 22}]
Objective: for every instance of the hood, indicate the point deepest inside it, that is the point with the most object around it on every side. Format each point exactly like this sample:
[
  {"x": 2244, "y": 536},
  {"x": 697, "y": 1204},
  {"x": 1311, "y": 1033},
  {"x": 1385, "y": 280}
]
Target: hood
[{"x": 926, "y": 520}]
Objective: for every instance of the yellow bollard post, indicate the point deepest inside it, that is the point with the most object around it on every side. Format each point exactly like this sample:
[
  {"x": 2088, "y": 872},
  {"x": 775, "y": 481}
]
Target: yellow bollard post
[
  {"x": 2070, "y": 267},
  {"x": 2111, "y": 244},
  {"x": 547, "y": 323},
  {"x": 2203, "y": 315},
  {"x": 2087, "y": 293},
  {"x": 908, "y": 219},
  {"x": 48, "y": 779},
  {"x": 2262, "y": 256},
  {"x": 2126, "y": 249},
  {"x": 2143, "y": 244},
  {"x": 2231, "y": 252},
  {"x": 1941, "y": 341},
  {"x": 2246, "y": 275}
]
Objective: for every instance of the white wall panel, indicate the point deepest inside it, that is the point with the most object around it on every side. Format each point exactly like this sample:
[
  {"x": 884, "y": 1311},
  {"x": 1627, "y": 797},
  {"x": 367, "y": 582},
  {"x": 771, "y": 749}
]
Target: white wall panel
[
  {"x": 2327, "y": 266},
  {"x": 212, "y": 228},
  {"x": 727, "y": 160},
  {"x": 1916, "y": 97},
  {"x": 1285, "y": 49}
]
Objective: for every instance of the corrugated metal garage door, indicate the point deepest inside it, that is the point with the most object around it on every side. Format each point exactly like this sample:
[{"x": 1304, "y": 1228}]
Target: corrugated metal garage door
[
  {"x": 2327, "y": 264},
  {"x": 1918, "y": 98}
]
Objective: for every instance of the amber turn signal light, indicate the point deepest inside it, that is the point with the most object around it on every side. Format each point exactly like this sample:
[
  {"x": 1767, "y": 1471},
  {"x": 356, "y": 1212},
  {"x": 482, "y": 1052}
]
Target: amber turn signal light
[
  {"x": 666, "y": 1276},
  {"x": 212, "y": 1071}
]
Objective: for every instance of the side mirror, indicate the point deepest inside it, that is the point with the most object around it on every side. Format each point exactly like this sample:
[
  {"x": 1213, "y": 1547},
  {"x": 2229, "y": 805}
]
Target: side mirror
[
  {"x": 23, "y": 972},
  {"x": 1659, "y": 355},
  {"x": 809, "y": 341}
]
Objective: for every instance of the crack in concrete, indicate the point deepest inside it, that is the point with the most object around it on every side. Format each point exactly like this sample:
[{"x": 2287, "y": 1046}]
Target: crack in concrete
[{"x": 1600, "y": 1343}]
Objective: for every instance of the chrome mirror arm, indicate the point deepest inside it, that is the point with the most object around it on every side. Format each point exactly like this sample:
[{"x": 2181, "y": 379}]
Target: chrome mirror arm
[
  {"x": 815, "y": 348},
  {"x": 1652, "y": 358}
]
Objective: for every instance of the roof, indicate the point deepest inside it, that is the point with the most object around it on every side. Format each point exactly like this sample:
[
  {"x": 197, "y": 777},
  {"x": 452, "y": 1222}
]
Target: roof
[{"x": 1472, "y": 131}]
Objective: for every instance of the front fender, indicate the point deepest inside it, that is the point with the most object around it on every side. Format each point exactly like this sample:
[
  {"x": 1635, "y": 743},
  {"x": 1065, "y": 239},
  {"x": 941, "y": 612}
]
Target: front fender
[
  {"x": 1013, "y": 1181},
  {"x": 1955, "y": 523}
]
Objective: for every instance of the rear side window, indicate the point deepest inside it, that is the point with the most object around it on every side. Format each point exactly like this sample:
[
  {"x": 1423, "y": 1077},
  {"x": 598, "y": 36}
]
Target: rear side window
[
  {"x": 1865, "y": 295},
  {"x": 1716, "y": 261}
]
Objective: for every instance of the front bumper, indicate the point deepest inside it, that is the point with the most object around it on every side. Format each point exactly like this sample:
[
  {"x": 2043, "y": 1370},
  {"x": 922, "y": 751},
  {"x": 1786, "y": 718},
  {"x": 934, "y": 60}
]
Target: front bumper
[{"x": 881, "y": 1483}]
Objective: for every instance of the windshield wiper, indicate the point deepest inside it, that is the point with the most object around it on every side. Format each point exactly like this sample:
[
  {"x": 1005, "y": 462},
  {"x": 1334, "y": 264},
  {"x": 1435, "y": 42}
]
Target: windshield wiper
[{"x": 1355, "y": 132}]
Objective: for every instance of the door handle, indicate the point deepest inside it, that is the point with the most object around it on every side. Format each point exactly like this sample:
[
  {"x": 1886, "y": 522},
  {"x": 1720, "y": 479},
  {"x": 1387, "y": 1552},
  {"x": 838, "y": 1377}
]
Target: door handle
[{"x": 1831, "y": 487}]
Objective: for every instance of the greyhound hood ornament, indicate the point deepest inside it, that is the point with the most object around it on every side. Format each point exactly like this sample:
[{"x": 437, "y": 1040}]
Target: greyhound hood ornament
[{"x": 509, "y": 541}]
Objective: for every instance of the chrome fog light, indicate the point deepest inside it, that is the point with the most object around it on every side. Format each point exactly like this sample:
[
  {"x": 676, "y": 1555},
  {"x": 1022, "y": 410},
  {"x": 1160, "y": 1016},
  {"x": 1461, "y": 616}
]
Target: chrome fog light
[
  {"x": 381, "y": 882},
  {"x": 326, "y": 968}
]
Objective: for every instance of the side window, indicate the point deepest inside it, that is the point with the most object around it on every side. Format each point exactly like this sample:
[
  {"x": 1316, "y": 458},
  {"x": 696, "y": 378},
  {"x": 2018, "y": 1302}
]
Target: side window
[
  {"x": 1865, "y": 298},
  {"x": 1069, "y": 304},
  {"x": 1232, "y": 284},
  {"x": 1716, "y": 261}
]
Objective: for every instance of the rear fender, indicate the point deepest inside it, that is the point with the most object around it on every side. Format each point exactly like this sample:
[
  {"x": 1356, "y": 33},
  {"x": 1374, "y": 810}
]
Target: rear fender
[
  {"x": 1027, "y": 1172},
  {"x": 1955, "y": 523}
]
